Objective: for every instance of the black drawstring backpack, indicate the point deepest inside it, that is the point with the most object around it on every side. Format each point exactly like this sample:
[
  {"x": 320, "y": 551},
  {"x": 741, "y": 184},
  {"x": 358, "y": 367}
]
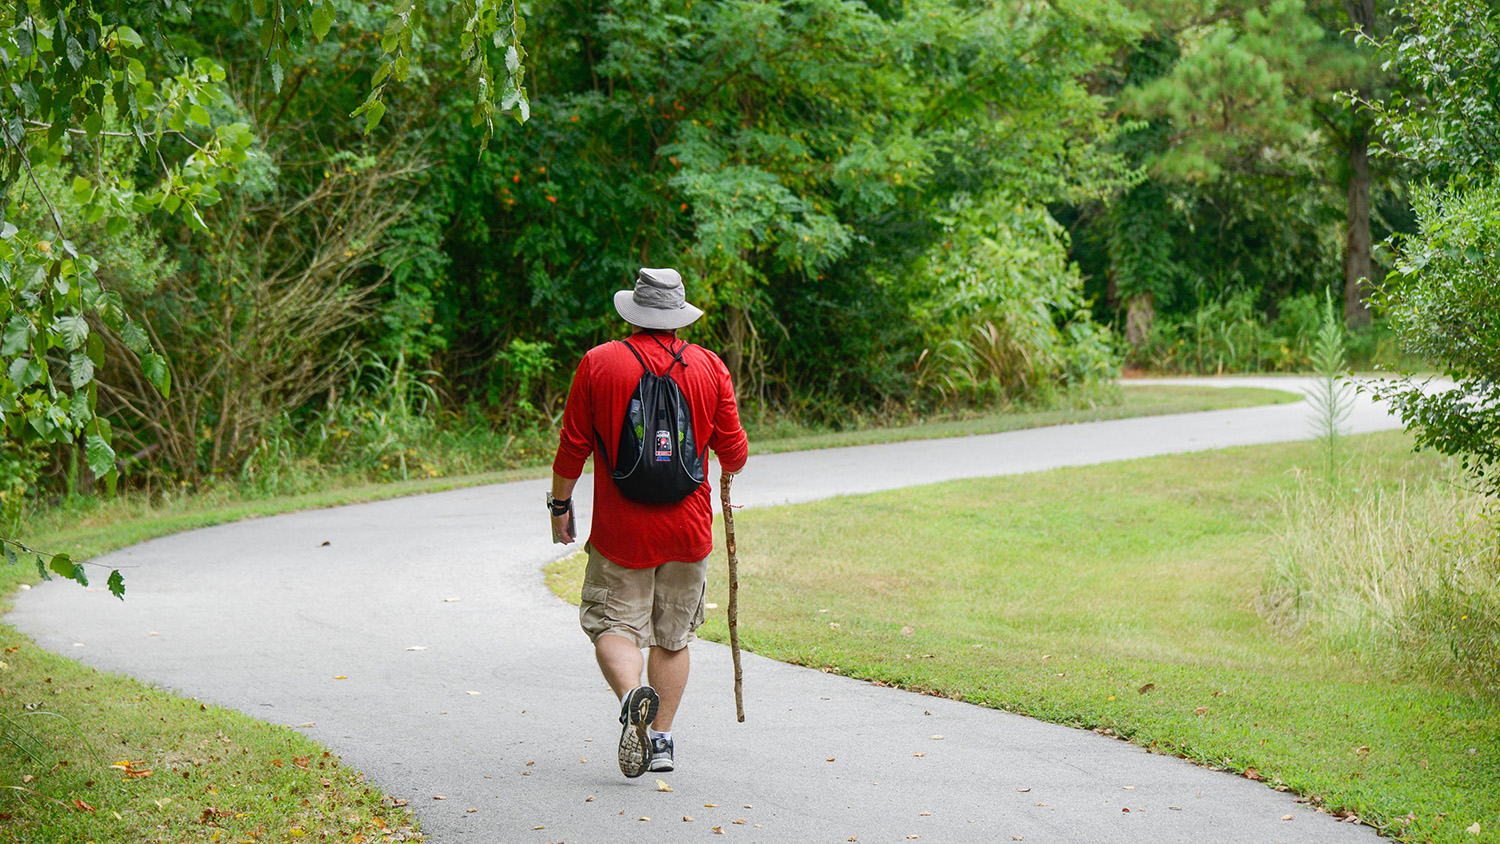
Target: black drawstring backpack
[{"x": 658, "y": 458}]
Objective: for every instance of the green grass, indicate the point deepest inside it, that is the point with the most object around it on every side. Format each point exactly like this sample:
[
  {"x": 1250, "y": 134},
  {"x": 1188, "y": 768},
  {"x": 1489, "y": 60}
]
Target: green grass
[
  {"x": 244, "y": 773},
  {"x": 1120, "y": 598},
  {"x": 1134, "y": 400},
  {"x": 77, "y": 745}
]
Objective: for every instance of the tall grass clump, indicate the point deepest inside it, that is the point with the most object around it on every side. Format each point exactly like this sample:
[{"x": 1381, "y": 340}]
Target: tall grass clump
[{"x": 1404, "y": 578}]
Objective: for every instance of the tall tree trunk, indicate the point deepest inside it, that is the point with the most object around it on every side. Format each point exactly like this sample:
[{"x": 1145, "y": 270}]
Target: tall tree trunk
[
  {"x": 734, "y": 356},
  {"x": 1140, "y": 314},
  {"x": 1357, "y": 267}
]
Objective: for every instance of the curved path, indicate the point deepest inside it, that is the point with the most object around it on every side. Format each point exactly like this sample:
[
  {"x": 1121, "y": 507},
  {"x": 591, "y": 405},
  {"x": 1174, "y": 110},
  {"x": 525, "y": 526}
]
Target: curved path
[{"x": 262, "y": 615}]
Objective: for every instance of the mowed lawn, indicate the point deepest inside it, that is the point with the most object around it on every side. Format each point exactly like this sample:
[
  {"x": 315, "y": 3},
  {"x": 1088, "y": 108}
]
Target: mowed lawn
[{"x": 1118, "y": 598}]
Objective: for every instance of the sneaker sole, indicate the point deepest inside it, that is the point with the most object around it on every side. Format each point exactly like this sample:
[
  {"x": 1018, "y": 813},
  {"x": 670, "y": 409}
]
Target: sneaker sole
[{"x": 635, "y": 747}]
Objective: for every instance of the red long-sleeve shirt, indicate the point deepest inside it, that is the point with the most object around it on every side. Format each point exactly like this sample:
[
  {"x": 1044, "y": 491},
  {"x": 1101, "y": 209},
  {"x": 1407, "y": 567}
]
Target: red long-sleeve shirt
[{"x": 632, "y": 533}]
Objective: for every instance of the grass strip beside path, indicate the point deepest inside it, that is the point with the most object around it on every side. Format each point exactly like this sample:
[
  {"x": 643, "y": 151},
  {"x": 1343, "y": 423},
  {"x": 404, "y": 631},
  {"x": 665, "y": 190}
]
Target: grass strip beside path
[
  {"x": 1119, "y": 598},
  {"x": 219, "y": 775}
]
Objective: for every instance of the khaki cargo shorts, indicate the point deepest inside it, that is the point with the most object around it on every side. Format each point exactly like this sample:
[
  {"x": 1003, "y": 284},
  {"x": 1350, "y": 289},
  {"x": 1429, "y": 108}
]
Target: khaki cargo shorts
[{"x": 660, "y": 606}]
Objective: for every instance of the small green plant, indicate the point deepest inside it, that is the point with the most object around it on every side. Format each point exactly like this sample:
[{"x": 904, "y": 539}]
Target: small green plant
[{"x": 1332, "y": 397}]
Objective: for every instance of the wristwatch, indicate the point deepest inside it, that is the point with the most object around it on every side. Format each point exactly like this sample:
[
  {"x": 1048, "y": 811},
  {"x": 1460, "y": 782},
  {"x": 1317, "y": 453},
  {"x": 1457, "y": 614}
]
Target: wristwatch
[{"x": 558, "y": 506}]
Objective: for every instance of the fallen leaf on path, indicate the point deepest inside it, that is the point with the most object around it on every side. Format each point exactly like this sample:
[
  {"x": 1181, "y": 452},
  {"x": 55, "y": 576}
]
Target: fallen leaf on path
[
  {"x": 924, "y": 814},
  {"x": 538, "y": 827},
  {"x": 718, "y": 830},
  {"x": 741, "y": 821},
  {"x": 710, "y": 805},
  {"x": 910, "y": 837},
  {"x": 687, "y": 818},
  {"x": 661, "y": 785},
  {"x": 471, "y": 811},
  {"x": 589, "y": 799},
  {"x": 1024, "y": 790},
  {"x": 1039, "y": 803},
  {"x": 583, "y": 760},
  {"x": 829, "y": 759},
  {"x": 748, "y": 806},
  {"x": 1287, "y": 817},
  {"x": 1128, "y": 787},
  {"x": 417, "y": 648},
  {"x": 1175, "y": 808},
  {"x": 914, "y": 753},
  {"x": 439, "y": 797},
  {"x": 644, "y": 818},
  {"x": 340, "y": 677},
  {"x": 308, "y": 724},
  {"x": 452, "y": 600},
  {"x": 1125, "y": 810},
  {"x": 471, "y": 693},
  {"x": 936, "y": 738}
]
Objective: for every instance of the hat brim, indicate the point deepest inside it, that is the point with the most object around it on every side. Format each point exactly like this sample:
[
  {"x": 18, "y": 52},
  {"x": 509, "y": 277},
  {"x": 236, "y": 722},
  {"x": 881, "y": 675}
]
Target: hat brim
[{"x": 653, "y": 317}]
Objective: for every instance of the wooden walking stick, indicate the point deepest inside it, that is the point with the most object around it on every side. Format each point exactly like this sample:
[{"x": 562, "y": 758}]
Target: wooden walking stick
[{"x": 734, "y": 594}]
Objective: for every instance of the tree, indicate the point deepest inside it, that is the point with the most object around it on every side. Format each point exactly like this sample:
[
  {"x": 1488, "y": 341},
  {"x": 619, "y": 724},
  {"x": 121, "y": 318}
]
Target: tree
[
  {"x": 1251, "y": 98},
  {"x": 82, "y": 77},
  {"x": 1442, "y": 299}
]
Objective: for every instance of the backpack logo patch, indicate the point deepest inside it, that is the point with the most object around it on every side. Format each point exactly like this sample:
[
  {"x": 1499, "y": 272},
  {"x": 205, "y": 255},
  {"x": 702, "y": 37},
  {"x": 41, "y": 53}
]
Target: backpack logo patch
[{"x": 663, "y": 446}]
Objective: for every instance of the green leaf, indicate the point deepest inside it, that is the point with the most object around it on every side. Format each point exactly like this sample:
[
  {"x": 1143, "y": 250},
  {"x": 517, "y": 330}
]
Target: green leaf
[
  {"x": 277, "y": 75},
  {"x": 10, "y": 556},
  {"x": 198, "y": 114},
  {"x": 75, "y": 53},
  {"x": 135, "y": 338},
  {"x": 322, "y": 20},
  {"x": 101, "y": 456},
  {"x": 155, "y": 368},
  {"x": 80, "y": 370},
  {"x": 116, "y": 584},
  {"x": 74, "y": 330},
  {"x": 83, "y": 189},
  {"x": 23, "y": 372},
  {"x": 65, "y": 567},
  {"x": 373, "y": 115},
  {"x": 93, "y": 124},
  {"x": 41, "y": 568},
  {"x": 17, "y": 336}
]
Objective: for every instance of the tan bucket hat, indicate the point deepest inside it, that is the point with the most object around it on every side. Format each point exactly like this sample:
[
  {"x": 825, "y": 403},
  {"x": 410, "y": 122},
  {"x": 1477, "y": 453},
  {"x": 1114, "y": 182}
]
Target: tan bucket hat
[{"x": 657, "y": 301}]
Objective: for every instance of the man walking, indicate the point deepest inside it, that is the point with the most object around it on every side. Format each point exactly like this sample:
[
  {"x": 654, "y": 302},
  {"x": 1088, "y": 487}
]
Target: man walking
[{"x": 647, "y": 568}]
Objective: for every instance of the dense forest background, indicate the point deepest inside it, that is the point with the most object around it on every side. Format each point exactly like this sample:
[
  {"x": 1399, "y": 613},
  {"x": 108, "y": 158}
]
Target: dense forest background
[{"x": 886, "y": 210}]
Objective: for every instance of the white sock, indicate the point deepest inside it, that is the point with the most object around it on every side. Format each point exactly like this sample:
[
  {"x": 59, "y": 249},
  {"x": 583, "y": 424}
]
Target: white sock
[{"x": 654, "y": 734}]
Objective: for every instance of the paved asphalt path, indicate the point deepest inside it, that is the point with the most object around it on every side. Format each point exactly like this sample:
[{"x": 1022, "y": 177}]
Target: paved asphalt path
[{"x": 263, "y": 615}]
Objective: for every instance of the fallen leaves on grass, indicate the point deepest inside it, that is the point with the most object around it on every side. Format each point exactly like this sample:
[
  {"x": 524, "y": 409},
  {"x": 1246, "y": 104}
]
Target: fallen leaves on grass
[{"x": 1474, "y": 828}]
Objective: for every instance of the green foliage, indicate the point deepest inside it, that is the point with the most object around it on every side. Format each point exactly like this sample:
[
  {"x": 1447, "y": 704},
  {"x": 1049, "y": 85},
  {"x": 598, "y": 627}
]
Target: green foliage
[
  {"x": 1331, "y": 398},
  {"x": 1401, "y": 578},
  {"x": 1442, "y": 299},
  {"x": 1443, "y": 118},
  {"x": 1444, "y": 304},
  {"x": 1005, "y": 315}
]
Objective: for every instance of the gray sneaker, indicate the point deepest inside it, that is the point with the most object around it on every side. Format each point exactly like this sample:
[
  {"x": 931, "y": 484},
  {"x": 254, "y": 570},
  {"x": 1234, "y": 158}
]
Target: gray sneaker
[
  {"x": 661, "y": 755},
  {"x": 637, "y": 712}
]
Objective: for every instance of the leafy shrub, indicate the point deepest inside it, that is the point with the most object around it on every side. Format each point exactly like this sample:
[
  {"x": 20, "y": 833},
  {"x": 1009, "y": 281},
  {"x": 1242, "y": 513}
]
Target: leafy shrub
[
  {"x": 1006, "y": 317},
  {"x": 1444, "y": 304}
]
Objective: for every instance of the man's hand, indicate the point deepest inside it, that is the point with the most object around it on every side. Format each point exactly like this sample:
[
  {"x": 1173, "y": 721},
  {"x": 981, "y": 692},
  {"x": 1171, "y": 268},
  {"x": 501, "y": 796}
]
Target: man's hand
[{"x": 563, "y": 527}]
